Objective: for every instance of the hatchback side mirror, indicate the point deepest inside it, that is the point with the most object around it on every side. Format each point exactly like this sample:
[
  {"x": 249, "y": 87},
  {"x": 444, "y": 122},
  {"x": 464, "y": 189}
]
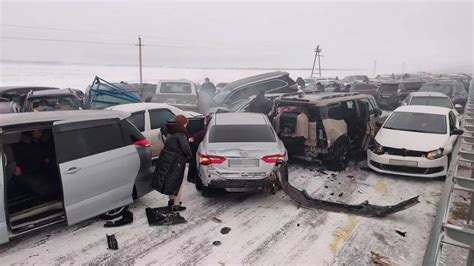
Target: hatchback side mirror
[{"x": 457, "y": 131}]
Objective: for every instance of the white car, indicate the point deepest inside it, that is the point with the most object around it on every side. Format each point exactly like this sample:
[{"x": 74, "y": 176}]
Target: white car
[
  {"x": 181, "y": 93},
  {"x": 415, "y": 141},
  {"x": 148, "y": 118},
  {"x": 239, "y": 151},
  {"x": 430, "y": 98}
]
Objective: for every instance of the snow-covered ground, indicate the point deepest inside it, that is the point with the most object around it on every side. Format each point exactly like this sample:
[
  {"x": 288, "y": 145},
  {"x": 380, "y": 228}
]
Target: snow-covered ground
[
  {"x": 265, "y": 228},
  {"x": 80, "y": 76}
]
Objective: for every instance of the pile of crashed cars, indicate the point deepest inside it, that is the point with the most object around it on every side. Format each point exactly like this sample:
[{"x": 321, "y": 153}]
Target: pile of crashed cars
[{"x": 96, "y": 162}]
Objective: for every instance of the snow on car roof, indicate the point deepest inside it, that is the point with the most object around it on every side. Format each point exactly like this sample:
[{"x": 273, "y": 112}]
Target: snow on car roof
[
  {"x": 428, "y": 93},
  {"x": 423, "y": 109},
  {"x": 137, "y": 107},
  {"x": 239, "y": 119},
  {"x": 38, "y": 117}
]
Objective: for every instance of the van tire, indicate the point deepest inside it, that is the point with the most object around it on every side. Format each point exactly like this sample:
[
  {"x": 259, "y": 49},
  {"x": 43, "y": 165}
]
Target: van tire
[{"x": 112, "y": 214}]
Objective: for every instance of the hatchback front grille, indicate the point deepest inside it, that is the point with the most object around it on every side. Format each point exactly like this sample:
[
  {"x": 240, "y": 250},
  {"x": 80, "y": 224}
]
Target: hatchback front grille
[{"x": 404, "y": 152}]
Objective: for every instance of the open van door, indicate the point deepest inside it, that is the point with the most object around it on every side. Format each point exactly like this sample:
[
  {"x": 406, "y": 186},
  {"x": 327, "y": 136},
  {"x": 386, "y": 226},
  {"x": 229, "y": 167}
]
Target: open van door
[
  {"x": 3, "y": 218},
  {"x": 97, "y": 167}
]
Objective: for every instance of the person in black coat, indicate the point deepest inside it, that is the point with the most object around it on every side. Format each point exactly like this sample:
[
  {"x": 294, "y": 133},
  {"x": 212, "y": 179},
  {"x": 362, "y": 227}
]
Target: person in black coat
[
  {"x": 260, "y": 104},
  {"x": 171, "y": 164}
]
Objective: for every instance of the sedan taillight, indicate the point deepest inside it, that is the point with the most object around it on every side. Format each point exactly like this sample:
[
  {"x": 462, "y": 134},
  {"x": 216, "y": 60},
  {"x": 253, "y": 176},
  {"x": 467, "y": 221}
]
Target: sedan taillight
[
  {"x": 142, "y": 143},
  {"x": 210, "y": 159},
  {"x": 273, "y": 158}
]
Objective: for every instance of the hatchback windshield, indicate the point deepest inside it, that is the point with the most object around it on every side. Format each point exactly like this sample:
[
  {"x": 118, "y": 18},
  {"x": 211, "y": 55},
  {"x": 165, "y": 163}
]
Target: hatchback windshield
[
  {"x": 241, "y": 133},
  {"x": 432, "y": 101},
  {"x": 417, "y": 122},
  {"x": 443, "y": 88}
]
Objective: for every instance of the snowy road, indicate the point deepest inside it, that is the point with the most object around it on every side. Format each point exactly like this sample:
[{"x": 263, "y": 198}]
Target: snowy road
[{"x": 264, "y": 228}]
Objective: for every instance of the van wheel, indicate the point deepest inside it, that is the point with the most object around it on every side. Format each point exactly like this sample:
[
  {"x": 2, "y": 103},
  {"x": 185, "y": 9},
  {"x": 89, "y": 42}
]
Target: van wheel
[{"x": 112, "y": 214}]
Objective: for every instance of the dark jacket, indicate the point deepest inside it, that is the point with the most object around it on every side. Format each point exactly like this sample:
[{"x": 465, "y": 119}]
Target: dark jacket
[{"x": 171, "y": 164}]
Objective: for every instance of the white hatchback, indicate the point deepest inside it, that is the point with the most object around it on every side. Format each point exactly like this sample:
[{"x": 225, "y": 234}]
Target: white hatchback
[
  {"x": 149, "y": 118},
  {"x": 415, "y": 141}
]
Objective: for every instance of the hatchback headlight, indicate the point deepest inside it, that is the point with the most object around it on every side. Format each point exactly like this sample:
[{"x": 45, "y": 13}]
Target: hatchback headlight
[
  {"x": 378, "y": 148},
  {"x": 434, "y": 154}
]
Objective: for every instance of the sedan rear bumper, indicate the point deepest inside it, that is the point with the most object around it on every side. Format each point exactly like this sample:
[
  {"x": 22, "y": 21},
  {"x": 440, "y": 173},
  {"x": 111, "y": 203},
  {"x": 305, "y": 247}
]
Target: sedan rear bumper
[{"x": 267, "y": 182}]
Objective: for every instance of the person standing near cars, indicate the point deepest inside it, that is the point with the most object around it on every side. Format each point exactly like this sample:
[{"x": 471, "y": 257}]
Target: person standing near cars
[
  {"x": 171, "y": 164},
  {"x": 208, "y": 87}
]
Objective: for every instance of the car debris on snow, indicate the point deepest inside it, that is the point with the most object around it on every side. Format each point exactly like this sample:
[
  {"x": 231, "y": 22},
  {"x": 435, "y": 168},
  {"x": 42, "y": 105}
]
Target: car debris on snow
[
  {"x": 216, "y": 220},
  {"x": 126, "y": 218},
  {"x": 217, "y": 243},
  {"x": 225, "y": 230},
  {"x": 112, "y": 241},
  {"x": 380, "y": 260},
  {"x": 401, "y": 233},
  {"x": 302, "y": 198}
]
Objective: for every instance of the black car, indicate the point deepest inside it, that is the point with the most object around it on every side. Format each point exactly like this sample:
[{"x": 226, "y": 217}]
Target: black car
[
  {"x": 272, "y": 83},
  {"x": 453, "y": 89},
  {"x": 390, "y": 94},
  {"x": 51, "y": 100},
  {"x": 17, "y": 93}
]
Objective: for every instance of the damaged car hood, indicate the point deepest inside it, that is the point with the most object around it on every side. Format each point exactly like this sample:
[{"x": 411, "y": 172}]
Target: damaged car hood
[{"x": 409, "y": 140}]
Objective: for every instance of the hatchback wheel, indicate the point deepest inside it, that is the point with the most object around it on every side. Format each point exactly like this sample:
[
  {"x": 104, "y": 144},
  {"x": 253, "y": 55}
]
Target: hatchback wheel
[{"x": 112, "y": 214}]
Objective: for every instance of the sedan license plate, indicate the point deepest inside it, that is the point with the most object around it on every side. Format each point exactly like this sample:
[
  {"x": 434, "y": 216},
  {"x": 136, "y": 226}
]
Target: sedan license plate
[
  {"x": 243, "y": 163},
  {"x": 386, "y": 96},
  {"x": 403, "y": 163}
]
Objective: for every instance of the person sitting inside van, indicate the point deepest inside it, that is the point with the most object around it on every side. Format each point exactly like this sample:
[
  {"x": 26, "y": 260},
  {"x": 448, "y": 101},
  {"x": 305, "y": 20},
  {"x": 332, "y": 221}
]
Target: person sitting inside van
[{"x": 35, "y": 164}]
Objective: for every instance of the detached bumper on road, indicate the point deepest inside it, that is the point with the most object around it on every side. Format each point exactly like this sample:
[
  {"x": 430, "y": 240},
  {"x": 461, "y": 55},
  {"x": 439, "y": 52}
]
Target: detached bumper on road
[{"x": 407, "y": 166}]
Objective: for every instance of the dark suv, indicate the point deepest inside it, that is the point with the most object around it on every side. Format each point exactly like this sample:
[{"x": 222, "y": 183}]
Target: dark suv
[
  {"x": 392, "y": 93},
  {"x": 277, "y": 82},
  {"x": 453, "y": 89}
]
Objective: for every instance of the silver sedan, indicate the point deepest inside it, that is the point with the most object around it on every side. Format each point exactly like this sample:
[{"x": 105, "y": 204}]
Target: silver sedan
[{"x": 239, "y": 151}]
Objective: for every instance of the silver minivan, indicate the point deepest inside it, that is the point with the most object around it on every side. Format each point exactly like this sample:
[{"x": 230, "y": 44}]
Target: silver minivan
[{"x": 68, "y": 167}]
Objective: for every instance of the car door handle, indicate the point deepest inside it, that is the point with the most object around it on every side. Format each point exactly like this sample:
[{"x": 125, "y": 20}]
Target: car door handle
[{"x": 72, "y": 170}]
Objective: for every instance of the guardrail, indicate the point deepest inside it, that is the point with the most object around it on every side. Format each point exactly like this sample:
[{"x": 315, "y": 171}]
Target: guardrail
[{"x": 443, "y": 233}]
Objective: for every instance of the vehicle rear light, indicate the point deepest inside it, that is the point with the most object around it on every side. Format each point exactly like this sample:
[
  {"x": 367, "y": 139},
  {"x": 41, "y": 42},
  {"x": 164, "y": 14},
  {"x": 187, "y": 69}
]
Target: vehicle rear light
[
  {"x": 273, "y": 158},
  {"x": 210, "y": 159},
  {"x": 142, "y": 143}
]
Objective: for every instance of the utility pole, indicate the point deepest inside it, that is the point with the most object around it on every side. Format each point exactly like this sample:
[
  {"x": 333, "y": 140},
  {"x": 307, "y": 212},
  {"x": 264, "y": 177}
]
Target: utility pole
[
  {"x": 140, "y": 57},
  {"x": 317, "y": 56},
  {"x": 375, "y": 67},
  {"x": 403, "y": 68}
]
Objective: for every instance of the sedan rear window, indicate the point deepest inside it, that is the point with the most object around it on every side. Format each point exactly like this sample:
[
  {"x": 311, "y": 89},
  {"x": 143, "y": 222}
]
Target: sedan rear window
[
  {"x": 432, "y": 101},
  {"x": 175, "y": 87},
  {"x": 241, "y": 133},
  {"x": 417, "y": 122}
]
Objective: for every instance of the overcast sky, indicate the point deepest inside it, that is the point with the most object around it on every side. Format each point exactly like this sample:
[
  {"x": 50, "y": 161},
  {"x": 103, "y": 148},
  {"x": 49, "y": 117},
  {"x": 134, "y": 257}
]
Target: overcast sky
[{"x": 426, "y": 36}]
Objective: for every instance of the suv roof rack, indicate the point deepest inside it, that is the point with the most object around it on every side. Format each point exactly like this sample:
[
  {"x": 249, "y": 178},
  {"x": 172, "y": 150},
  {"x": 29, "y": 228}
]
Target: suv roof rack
[{"x": 345, "y": 94}]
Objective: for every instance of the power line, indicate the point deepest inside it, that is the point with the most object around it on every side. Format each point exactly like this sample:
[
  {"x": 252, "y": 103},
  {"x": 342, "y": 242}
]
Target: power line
[
  {"x": 109, "y": 43},
  {"x": 101, "y": 33},
  {"x": 59, "y": 40}
]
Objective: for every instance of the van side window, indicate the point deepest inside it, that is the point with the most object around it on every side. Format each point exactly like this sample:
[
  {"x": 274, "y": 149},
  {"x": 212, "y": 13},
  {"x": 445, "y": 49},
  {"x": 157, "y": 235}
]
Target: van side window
[
  {"x": 130, "y": 133},
  {"x": 159, "y": 117},
  {"x": 335, "y": 111},
  {"x": 85, "y": 142},
  {"x": 138, "y": 120},
  {"x": 371, "y": 107}
]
